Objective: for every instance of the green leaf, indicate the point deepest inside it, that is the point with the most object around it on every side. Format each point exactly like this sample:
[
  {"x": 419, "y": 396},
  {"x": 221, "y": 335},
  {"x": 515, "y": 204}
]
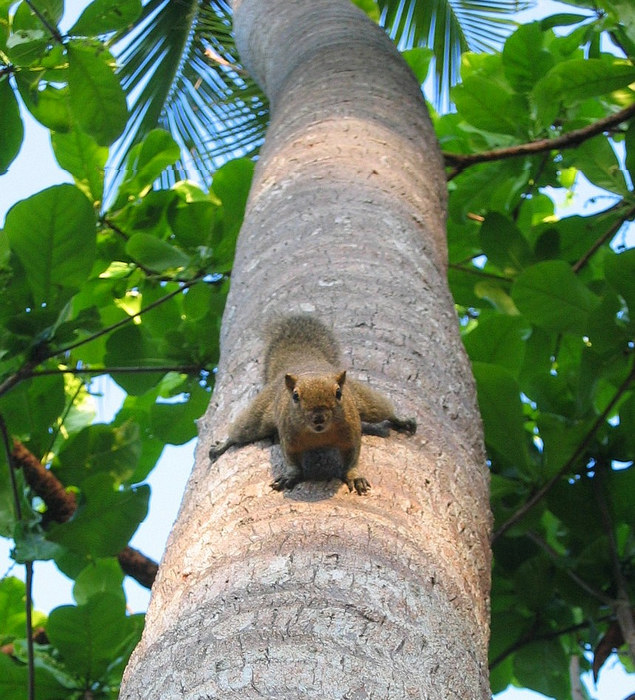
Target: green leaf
[
  {"x": 620, "y": 274},
  {"x": 524, "y": 59},
  {"x": 550, "y": 295},
  {"x": 561, "y": 438},
  {"x": 597, "y": 160},
  {"x": 106, "y": 519},
  {"x": 50, "y": 105},
  {"x": 31, "y": 408},
  {"x": 231, "y": 184},
  {"x": 100, "y": 449},
  {"x": 14, "y": 681},
  {"x": 84, "y": 159},
  {"x": 133, "y": 346},
  {"x": 97, "y": 100},
  {"x": 51, "y": 11},
  {"x": 418, "y": 60},
  {"x": 90, "y": 637},
  {"x": 504, "y": 244},
  {"x": 175, "y": 423},
  {"x": 147, "y": 160},
  {"x": 105, "y": 16},
  {"x": 29, "y": 37},
  {"x": 101, "y": 576},
  {"x": 498, "y": 340},
  {"x": 11, "y": 126},
  {"x": 12, "y": 609},
  {"x": 533, "y": 581},
  {"x": 629, "y": 142},
  {"x": 543, "y": 667},
  {"x": 153, "y": 253},
  {"x": 577, "y": 80},
  {"x": 194, "y": 223},
  {"x": 489, "y": 105},
  {"x": 32, "y": 545},
  {"x": 53, "y": 235},
  {"x": 503, "y": 421}
]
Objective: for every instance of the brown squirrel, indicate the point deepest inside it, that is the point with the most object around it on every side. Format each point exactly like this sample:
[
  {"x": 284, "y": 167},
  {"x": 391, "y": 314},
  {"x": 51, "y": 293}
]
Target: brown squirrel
[{"x": 309, "y": 403}]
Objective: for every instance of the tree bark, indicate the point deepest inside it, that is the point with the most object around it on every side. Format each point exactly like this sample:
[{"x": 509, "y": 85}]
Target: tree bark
[{"x": 320, "y": 593}]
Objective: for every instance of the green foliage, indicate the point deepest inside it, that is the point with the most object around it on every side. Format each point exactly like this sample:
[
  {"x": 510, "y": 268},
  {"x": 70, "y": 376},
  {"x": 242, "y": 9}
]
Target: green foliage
[
  {"x": 548, "y": 313},
  {"x": 135, "y": 288}
]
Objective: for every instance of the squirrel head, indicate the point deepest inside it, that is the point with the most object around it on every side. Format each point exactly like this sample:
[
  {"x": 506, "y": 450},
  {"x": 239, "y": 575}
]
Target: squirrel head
[{"x": 316, "y": 397}]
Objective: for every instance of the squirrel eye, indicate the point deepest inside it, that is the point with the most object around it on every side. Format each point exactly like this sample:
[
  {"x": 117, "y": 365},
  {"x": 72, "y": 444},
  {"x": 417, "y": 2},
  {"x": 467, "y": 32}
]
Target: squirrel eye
[
  {"x": 338, "y": 393},
  {"x": 296, "y": 396}
]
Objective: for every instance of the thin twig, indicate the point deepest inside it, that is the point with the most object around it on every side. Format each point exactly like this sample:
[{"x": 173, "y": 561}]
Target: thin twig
[
  {"x": 555, "y": 557},
  {"x": 181, "y": 369},
  {"x": 546, "y": 636},
  {"x": 52, "y": 28},
  {"x": 622, "y": 603},
  {"x": 603, "y": 239},
  {"x": 28, "y": 565},
  {"x": 579, "y": 451}
]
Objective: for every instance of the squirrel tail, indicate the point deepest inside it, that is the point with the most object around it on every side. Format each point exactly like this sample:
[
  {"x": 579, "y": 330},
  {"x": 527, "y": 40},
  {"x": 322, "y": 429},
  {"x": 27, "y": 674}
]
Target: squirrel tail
[{"x": 297, "y": 335}]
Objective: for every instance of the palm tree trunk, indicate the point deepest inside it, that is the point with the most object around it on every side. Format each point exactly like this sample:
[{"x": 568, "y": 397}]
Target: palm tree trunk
[{"x": 319, "y": 593}]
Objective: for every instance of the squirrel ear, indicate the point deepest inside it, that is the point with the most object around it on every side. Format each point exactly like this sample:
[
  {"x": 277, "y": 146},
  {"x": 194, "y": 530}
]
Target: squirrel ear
[
  {"x": 341, "y": 377},
  {"x": 290, "y": 380}
]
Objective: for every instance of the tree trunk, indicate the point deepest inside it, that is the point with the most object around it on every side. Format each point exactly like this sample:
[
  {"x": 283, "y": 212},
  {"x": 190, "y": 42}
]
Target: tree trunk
[{"x": 318, "y": 592}]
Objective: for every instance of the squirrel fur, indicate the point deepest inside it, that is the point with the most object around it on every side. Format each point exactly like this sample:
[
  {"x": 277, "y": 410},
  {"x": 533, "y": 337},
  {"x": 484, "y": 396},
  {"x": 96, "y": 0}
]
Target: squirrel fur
[{"x": 310, "y": 404}]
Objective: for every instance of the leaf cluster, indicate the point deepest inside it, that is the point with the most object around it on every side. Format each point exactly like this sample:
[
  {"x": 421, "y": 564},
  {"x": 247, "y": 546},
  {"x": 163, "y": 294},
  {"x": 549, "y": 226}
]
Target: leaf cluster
[
  {"x": 547, "y": 310},
  {"x": 134, "y": 289}
]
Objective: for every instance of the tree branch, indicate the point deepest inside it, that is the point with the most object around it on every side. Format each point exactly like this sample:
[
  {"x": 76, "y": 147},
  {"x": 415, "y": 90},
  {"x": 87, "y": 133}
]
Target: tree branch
[
  {"x": 461, "y": 161},
  {"x": 546, "y": 636},
  {"x": 181, "y": 369},
  {"x": 62, "y": 504},
  {"x": 27, "y": 370},
  {"x": 139, "y": 567}
]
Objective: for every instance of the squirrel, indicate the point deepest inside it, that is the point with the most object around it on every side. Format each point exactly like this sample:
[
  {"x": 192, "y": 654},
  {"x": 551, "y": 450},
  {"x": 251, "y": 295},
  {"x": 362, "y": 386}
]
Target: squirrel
[{"x": 309, "y": 403}]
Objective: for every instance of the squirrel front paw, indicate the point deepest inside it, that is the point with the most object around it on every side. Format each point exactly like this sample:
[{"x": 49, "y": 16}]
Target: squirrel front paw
[
  {"x": 359, "y": 483},
  {"x": 284, "y": 482}
]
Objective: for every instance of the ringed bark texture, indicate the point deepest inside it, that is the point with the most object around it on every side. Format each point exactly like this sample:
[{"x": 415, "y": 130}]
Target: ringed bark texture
[{"x": 320, "y": 593}]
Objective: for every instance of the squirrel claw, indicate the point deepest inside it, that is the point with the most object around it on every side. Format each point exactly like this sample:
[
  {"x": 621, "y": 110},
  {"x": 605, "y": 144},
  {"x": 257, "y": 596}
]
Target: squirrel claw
[
  {"x": 360, "y": 484},
  {"x": 283, "y": 483},
  {"x": 405, "y": 425}
]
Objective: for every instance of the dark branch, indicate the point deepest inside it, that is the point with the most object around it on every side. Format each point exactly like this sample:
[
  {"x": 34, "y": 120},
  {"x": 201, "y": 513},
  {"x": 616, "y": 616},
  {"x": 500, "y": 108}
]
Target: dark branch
[
  {"x": 61, "y": 505},
  {"x": 461, "y": 161},
  {"x": 139, "y": 567},
  {"x": 51, "y": 27},
  {"x": 604, "y": 239}
]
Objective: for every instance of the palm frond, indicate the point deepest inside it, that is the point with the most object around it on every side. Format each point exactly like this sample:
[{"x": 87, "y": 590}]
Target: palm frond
[
  {"x": 180, "y": 69},
  {"x": 449, "y": 28}
]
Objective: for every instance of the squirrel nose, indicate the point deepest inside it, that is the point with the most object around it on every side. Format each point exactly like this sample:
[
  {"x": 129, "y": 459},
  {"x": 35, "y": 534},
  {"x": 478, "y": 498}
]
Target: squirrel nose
[{"x": 319, "y": 419}]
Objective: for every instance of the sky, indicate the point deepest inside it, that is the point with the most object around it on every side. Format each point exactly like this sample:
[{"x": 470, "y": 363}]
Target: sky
[{"x": 33, "y": 170}]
